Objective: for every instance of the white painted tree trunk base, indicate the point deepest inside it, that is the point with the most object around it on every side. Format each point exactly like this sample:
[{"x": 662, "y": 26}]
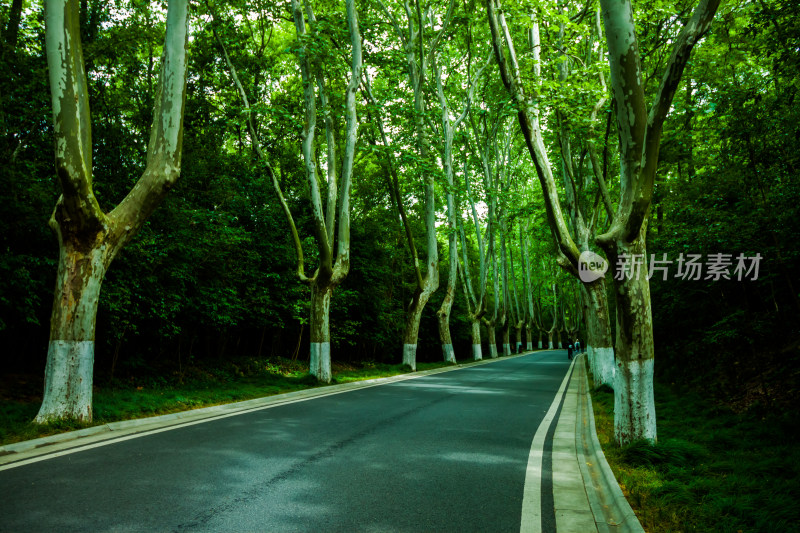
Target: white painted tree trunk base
[
  {"x": 506, "y": 349},
  {"x": 634, "y": 403},
  {"x": 449, "y": 353},
  {"x": 493, "y": 351},
  {"x": 605, "y": 365},
  {"x": 477, "y": 352},
  {"x": 320, "y": 361},
  {"x": 549, "y": 345},
  {"x": 410, "y": 356},
  {"x": 529, "y": 346},
  {"x": 68, "y": 382},
  {"x": 519, "y": 347},
  {"x": 540, "y": 345}
]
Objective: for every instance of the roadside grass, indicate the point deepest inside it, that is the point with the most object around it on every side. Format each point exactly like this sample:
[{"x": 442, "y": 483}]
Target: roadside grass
[
  {"x": 197, "y": 386},
  {"x": 713, "y": 470}
]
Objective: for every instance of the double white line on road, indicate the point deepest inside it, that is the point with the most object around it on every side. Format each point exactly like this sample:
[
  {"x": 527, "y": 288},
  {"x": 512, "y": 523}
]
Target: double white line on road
[{"x": 532, "y": 492}]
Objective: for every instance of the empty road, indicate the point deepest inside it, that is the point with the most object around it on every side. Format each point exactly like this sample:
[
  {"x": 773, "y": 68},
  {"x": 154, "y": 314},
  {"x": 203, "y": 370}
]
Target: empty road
[{"x": 446, "y": 452}]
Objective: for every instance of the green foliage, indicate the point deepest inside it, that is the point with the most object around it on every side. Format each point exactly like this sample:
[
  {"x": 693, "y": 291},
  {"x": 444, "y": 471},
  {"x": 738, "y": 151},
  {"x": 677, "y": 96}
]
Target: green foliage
[
  {"x": 723, "y": 190},
  {"x": 666, "y": 454}
]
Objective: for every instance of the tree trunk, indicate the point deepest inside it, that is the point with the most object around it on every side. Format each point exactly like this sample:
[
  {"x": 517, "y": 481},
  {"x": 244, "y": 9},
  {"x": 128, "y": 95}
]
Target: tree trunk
[
  {"x": 492, "y": 341},
  {"x": 519, "y": 338},
  {"x": 319, "y": 331},
  {"x": 506, "y": 339},
  {"x": 639, "y": 139},
  {"x": 634, "y": 404},
  {"x": 477, "y": 352},
  {"x": 411, "y": 333},
  {"x": 599, "y": 347},
  {"x": 11, "y": 31},
  {"x": 448, "y": 128},
  {"x": 70, "y": 354},
  {"x": 443, "y": 314}
]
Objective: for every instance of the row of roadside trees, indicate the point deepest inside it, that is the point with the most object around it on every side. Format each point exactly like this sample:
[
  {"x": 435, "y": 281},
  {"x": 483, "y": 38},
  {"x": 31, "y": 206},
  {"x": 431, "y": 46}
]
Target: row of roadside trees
[{"x": 437, "y": 119}]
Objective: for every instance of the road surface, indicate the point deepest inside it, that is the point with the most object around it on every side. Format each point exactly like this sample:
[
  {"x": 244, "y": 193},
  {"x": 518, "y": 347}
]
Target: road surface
[{"x": 446, "y": 452}]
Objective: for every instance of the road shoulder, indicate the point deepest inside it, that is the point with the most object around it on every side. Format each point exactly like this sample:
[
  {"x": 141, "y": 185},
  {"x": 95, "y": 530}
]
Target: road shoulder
[{"x": 611, "y": 511}]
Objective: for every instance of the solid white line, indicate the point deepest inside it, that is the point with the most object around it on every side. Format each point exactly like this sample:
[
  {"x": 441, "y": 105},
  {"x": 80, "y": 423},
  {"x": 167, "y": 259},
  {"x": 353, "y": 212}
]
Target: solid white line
[
  {"x": 357, "y": 386},
  {"x": 531, "y": 521}
]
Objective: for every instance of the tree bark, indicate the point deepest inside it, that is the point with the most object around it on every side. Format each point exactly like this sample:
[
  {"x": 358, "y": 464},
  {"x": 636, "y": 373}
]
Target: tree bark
[
  {"x": 477, "y": 351},
  {"x": 449, "y": 129},
  {"x": 319, "y": 332},
  {"x": 444, "y": 326},
  {"x": 599, "y": 347},
  {"x": 411, "y": 333},
  {"x": 70, "y": 355},
  {"x": 476, "y": 306},
  {"x": 11, "y": 31},
  {"x": 492, "y": 341},
  {"x": 640, "y": 138},
  {"x": 416, "y": 62},
  {"x": 634, "y": 404}
]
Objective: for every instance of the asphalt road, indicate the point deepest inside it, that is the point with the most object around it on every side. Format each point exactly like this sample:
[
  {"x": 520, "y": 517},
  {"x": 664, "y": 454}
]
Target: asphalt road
[{"x": 446, "y": 452}]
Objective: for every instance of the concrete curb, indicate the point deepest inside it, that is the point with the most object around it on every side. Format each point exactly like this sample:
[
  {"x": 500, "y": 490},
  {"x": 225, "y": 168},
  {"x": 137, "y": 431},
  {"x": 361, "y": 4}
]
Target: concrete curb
[
  {"x": 592, "y": 486},
  {"x": 613, "y": 513},
  {"x": 19, "y": 451}
]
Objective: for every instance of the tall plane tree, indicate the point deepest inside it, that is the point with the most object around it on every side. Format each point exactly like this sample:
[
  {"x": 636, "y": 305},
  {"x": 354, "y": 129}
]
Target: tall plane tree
[
  {"x": 330, "y": 272},
  {"x": 418, "y": 57},
  {"x": 449, "y": 127},
  {"x": 639, "y": 138},
  {"x": 585, "y": 216},
  {"x": 476, "y": 301},
  {"x": 89, "y": 238},
  {"x": 492, "y": 158}
]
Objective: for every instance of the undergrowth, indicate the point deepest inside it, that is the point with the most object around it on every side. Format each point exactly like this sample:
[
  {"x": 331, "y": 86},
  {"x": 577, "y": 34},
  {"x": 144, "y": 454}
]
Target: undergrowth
[{"x": 712, "y": 470}]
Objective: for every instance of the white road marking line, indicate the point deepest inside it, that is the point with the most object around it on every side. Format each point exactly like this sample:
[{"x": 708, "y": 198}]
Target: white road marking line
[{"x": 531, "y": 521}]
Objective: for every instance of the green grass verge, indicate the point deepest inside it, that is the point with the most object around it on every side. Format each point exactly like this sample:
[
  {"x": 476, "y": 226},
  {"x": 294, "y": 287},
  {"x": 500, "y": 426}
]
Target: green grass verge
[
  {"x": 196, "y": 387},
  {"x": 713, "y": 470}
]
